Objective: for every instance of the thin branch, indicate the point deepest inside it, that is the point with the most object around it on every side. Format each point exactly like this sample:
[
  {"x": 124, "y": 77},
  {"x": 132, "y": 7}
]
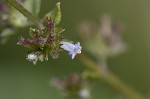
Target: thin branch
[
  {"x": 110, "y": 78},
  {"x": 25, "y": 12}
]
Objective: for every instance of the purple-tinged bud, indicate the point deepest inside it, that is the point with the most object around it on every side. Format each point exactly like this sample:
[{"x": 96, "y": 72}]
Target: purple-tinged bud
[
  {"x": 73, "y": 82},
  {"x": 49, "y": 25},
  {"x": 23, "y": 41},
  {"x": 50, "y": 39}
]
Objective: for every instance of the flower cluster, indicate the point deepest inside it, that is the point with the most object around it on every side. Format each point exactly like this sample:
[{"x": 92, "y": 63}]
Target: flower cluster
[
  {"x": 73, "y": 86},
  {"x": 43, "y": 42},
  {"x": 111, "y": 34},
  {"x": 102, "y": 40},
  {"x": 47, "y": 41}
]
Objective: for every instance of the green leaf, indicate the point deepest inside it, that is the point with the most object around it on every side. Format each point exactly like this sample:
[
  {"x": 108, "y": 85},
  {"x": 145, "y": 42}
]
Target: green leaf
[
  {"x": 33, "y": 6},
  {"x": 55, "y": 14}
]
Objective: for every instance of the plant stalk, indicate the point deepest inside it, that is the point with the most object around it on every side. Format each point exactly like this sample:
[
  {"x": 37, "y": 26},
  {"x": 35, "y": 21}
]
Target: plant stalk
[
  {"x": 110, "y": 79},
  {"x": 25, "y": 12}
]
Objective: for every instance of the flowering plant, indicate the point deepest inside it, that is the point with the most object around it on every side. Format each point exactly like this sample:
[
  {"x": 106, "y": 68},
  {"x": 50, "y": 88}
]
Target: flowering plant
[{"x": 46, "y": 39}]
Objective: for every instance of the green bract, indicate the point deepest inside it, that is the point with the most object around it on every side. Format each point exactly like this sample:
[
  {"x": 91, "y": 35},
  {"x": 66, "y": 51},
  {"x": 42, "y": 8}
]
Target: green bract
[
  {"x": 44, "y": 42},
  {"x": 55, "y": 14}
]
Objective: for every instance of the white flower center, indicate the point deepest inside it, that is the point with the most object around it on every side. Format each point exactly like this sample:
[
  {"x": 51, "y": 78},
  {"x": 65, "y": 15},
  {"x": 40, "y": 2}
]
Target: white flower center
[{"x": 79, "y": 51}]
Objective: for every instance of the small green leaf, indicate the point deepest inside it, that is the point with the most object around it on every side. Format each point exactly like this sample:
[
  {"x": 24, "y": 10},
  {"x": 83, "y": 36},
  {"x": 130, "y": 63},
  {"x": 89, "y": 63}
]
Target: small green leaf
[
  {"x": 59, "y": 30},
  {"x": 55, "y": 14}
]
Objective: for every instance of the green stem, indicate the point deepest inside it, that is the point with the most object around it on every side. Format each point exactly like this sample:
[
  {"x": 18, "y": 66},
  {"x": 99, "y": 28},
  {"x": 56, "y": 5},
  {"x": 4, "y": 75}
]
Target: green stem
[
  {"x": 25, "y": 12},
  {"x": 110, "y": 78}
]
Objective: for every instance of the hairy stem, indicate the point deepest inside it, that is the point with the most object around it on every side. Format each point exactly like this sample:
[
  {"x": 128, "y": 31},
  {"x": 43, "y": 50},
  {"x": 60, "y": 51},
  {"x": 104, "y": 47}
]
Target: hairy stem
[
  {"x": 25, "y": 12},
  {"x": 110, "y": 78}
]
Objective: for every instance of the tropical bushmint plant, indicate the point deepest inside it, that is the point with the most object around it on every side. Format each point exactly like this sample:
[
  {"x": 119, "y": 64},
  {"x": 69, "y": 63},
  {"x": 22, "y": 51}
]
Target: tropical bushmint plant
[{"x": 46, "y": 40}]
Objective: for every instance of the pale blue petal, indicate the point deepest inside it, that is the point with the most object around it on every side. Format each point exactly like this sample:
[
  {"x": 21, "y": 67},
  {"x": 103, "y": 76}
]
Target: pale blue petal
[
  {"x": 72, "y": 55},
  {"x": 66, "y": 48},
  {"x": 77, "y": 44},
  {"x": 70, "y": 45},
  {"x": 78, "y": 47}
]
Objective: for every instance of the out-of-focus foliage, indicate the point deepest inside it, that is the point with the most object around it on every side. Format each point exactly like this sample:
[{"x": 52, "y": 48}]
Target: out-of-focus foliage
[
  {"x": 13, "y": 20},
  {"x": 73, "y": 86},
  {"x": 102, "y": 40}
]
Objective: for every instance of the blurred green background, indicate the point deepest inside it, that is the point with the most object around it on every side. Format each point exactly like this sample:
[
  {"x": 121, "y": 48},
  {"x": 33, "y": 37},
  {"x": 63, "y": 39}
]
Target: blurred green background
[{"x": 20, "y": 79}]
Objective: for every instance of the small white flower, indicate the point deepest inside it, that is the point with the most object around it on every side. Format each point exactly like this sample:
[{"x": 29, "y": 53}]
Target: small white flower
[
  {"x": 84, "y": 93},
  {"x": 73, "y": 49},
  {"x": 32, "y": 57}
]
